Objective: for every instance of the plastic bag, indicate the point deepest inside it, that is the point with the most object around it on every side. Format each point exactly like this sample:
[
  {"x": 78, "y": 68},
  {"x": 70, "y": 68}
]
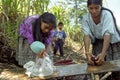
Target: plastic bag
[{"x": 42, "y": 67}]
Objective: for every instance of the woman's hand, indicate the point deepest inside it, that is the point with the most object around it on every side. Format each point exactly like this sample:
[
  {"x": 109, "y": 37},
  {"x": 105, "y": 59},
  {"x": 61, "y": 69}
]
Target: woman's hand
[
  {"x": 100, "y": 59},
  {"x": 89, "y": 58},
  {"x": 101, "y": 56}
]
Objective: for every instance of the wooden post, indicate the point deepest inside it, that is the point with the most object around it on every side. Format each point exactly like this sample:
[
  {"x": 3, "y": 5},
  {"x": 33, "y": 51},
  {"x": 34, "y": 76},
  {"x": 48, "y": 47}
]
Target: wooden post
[
  {"x": 97, "y": 77},
  {"x": 106, "y": 75},
  {"x": 92, "y": 76}
]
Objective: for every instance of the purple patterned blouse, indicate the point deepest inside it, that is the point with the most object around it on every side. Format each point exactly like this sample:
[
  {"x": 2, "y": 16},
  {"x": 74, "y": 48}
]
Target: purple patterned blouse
[{"x": 26, "y": 29}]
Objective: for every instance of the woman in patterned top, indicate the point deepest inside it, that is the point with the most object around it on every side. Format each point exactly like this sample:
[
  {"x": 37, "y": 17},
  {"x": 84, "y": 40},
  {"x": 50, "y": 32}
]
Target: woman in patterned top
[
  {"x": 99, "y": 27},
  {"x": 34, "y": 28}
]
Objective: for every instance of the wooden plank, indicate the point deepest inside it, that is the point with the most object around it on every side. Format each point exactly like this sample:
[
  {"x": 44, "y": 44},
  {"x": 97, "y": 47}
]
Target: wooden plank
[
  {"x": 83, "y": 68},
  {"x": 73, "y": 69},
  {"x": 67, "y": 70},
  {"x": 106, "y": 67},
  {"x": 78, "y": 69}
]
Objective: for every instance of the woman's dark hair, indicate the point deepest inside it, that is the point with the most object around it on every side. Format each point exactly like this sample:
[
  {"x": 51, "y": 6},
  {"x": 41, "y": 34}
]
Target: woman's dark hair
[
  {"x": 98, "y": 2},
  {"x": 48, "y": 18},
  {"x": 113, "y": 19}
]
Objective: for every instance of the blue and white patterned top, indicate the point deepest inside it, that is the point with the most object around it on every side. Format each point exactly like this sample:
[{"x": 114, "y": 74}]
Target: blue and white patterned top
[{"x": 60, "y": 34}]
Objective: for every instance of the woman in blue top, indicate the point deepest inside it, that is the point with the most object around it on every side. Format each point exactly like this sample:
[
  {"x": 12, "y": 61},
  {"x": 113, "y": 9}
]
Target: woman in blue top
[{"x": 100, "y": 29}]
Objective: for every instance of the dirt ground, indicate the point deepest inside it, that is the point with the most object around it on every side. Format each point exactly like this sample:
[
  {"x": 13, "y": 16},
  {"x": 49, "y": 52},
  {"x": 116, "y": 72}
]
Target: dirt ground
[{"x": 9, "y": 71}]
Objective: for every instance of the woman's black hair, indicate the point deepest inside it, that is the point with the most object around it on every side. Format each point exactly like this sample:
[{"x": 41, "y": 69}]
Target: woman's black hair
[
  {"x": 48, "y": 18},
  {"x": 113, "y": 18},
  {"x": 98, "y": 2}
]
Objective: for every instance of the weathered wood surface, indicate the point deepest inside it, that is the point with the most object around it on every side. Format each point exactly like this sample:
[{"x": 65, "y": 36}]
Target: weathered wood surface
[
  {"x": 68, "y": 70},
  {"x": 63, "y": 71},
  {"x": 79, "y": 69},
  {"x": 106, "y": 67}
]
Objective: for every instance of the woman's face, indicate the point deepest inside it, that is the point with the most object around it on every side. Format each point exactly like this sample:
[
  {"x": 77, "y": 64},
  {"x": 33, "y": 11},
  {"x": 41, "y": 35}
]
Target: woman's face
[
  {"x": 94, "y": 10},
  {"x": 46, "y": 27}
]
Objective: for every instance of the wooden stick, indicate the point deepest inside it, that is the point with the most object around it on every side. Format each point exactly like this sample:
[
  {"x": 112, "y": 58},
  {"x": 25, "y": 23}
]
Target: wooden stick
[
  {"x": 92, "y": 76},
  {"x": 68, "y": 55},
  {"x": 106, "y": 75},
  {"x": 97, "y": 77}
]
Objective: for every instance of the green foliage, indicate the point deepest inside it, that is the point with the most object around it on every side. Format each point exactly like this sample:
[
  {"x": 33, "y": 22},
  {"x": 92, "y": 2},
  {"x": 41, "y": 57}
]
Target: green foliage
[
  {"x": 12, "y": 13},
  {"x": 74, "y": 33},
  {"x": 60, "y": 13},
  {"x": 65, "y": 13},
  {"x": 40, "y": 6},
  {"x": 10, "y": 34},
  {"x": 77, "y": 9}
]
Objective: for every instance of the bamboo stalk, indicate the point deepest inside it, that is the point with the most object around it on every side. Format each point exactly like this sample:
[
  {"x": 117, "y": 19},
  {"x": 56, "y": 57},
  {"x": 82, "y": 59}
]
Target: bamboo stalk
[
  {"x": 106, "y": 75},
  {"x": 92, "y": 76},
  {"x": 97, "y": 77}
]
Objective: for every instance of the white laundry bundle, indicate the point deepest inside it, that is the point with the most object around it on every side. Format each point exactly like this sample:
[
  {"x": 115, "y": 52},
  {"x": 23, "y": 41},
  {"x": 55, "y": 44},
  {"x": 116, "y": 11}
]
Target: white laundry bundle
[{"x": 42, "y": 66}]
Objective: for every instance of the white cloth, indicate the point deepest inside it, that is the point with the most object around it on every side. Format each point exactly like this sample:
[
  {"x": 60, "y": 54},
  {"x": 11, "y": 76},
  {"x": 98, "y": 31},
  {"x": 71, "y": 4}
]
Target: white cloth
[
  {"x": 42, "y": 67},
  {"x": 114, "y": 6},
  {"x": 105, "y": 27}
]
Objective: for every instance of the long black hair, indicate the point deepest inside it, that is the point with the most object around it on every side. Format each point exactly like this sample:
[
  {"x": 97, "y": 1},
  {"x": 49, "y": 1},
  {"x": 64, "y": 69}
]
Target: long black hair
[
  {"x": 113, "y": 19},
  {"x": 98, "y": 2},
  {"x": 48, "y": 18}
]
